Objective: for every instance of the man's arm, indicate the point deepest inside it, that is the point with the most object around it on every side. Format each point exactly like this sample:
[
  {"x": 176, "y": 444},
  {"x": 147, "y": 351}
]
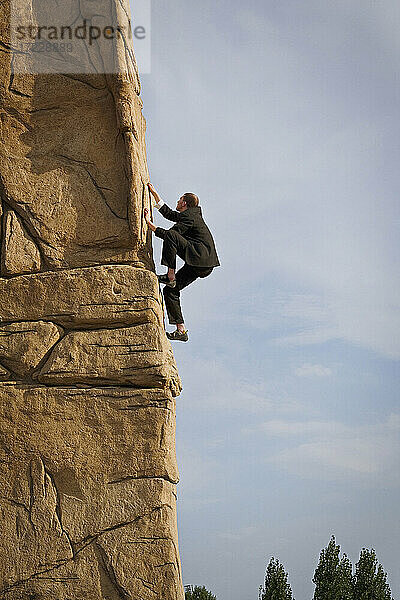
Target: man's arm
[
  {"x": 185, "y": 223},
  {"x": 166, "y": 211}
]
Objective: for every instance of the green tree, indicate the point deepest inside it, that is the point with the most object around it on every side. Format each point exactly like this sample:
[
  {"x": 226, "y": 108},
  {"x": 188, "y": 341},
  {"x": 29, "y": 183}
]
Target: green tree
[
  {"x": 199, "y": 593},
  {"x": 333, "y": 577},
  {"x": 276, "y": 586},
  {"x": 370, "y": 580}
]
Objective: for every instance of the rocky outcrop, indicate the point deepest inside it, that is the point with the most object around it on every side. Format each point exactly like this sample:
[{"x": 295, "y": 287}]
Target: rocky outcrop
[
  {"x": 87, "y": 485},
  {"x": 73, "y": 163},
  {"x": 24, "y": 345},
  {"x": 114, "y": 295},
  {"x": 87, "y": 377},
  {"x": 136, "y": 356},
  {"x": 20, "y": 252}
]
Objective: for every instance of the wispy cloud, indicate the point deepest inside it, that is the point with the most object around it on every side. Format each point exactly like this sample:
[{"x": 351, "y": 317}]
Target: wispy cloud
[
  {"x": 238, "y": 535},
  {"x": 332, "y": 450},
  {"x": 221, "y": 387},
  {"x": 283, "y": 117},
  {"x": 281, "y": 428},
  {"x": 308, "y": 370}
]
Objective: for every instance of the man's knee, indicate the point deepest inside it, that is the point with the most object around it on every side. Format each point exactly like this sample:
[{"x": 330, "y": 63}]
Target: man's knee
[
  {"x": 171, "y": 236},
  {"x": 204, "y": 272}
]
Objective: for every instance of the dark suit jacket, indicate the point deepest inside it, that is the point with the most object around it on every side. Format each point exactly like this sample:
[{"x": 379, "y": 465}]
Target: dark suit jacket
[{"x": 200, "y": 251}]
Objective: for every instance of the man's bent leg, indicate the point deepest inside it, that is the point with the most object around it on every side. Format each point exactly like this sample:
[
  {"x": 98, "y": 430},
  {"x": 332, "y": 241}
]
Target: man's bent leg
[
  {"x": 184, "y": 277},
  {"x": 174, "y": 244}
]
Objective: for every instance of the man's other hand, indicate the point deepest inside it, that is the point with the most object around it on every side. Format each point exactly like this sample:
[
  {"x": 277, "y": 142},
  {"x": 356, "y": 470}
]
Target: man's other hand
[
  {"x": 148, "y": 220},
  {"x": 152, "y": 189}
]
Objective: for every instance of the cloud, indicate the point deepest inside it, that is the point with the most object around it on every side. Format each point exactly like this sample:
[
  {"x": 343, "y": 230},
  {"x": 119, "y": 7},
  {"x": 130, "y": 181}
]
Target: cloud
[
  {"x": 238, "y": 535},
  {"x": 315, "y": 179},
  {"x": 196, "y": 471},
  {"x": 220, "y": 386},
  {"x": 333, "y": 450},
  {"x": 308, "y": 370},
  {"x": 281, "y": 428},
  {"x": 290, "y": 137},
  {"x": 394, "y": 421}
]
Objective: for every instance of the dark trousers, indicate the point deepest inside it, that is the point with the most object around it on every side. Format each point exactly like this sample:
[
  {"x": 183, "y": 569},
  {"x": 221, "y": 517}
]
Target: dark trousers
[
  {"x": 172, "y": 296},
  {"x": 175, "y": 244}
]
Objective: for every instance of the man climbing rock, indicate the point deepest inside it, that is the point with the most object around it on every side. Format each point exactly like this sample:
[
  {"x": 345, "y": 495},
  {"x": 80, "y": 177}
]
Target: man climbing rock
[{"x": 191, "y": 240}]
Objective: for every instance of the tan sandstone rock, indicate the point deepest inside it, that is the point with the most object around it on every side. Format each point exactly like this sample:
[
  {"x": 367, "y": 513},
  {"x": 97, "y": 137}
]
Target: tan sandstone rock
[
  {"x": 87, "y": 480},
  {"x": 19, "y": 253},
  {"x": 136, "y": 356},
  {"x": 24, "y": 345},
  {"x": 96, "y": 296},
  {"x": 4, "y": 373},
  {"x": 87, "y": 377},
  {"x": 72, "y": 151}
]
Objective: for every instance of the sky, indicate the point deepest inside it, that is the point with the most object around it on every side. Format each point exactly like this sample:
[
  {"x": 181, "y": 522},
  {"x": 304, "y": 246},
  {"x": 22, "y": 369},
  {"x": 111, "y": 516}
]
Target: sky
[{"x": 283, "y": 116}]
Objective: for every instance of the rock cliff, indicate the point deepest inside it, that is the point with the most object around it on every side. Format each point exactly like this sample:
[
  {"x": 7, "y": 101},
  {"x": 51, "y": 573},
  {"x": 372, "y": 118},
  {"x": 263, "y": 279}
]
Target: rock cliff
[{"x": 87, "y": 377}]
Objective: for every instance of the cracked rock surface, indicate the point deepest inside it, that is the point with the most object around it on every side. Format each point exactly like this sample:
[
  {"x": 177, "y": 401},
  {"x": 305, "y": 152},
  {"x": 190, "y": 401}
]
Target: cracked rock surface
[
  {"x": 88, "y": 380},
  {"x": 21, "y": 254},
  {"x": 72, "y": 153},
  {"x": 24, "y": 345},
  {"x": 88, "y": 484},
  {"x": 80, "y": 298},
  {"x": 136, "y": 356}
]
